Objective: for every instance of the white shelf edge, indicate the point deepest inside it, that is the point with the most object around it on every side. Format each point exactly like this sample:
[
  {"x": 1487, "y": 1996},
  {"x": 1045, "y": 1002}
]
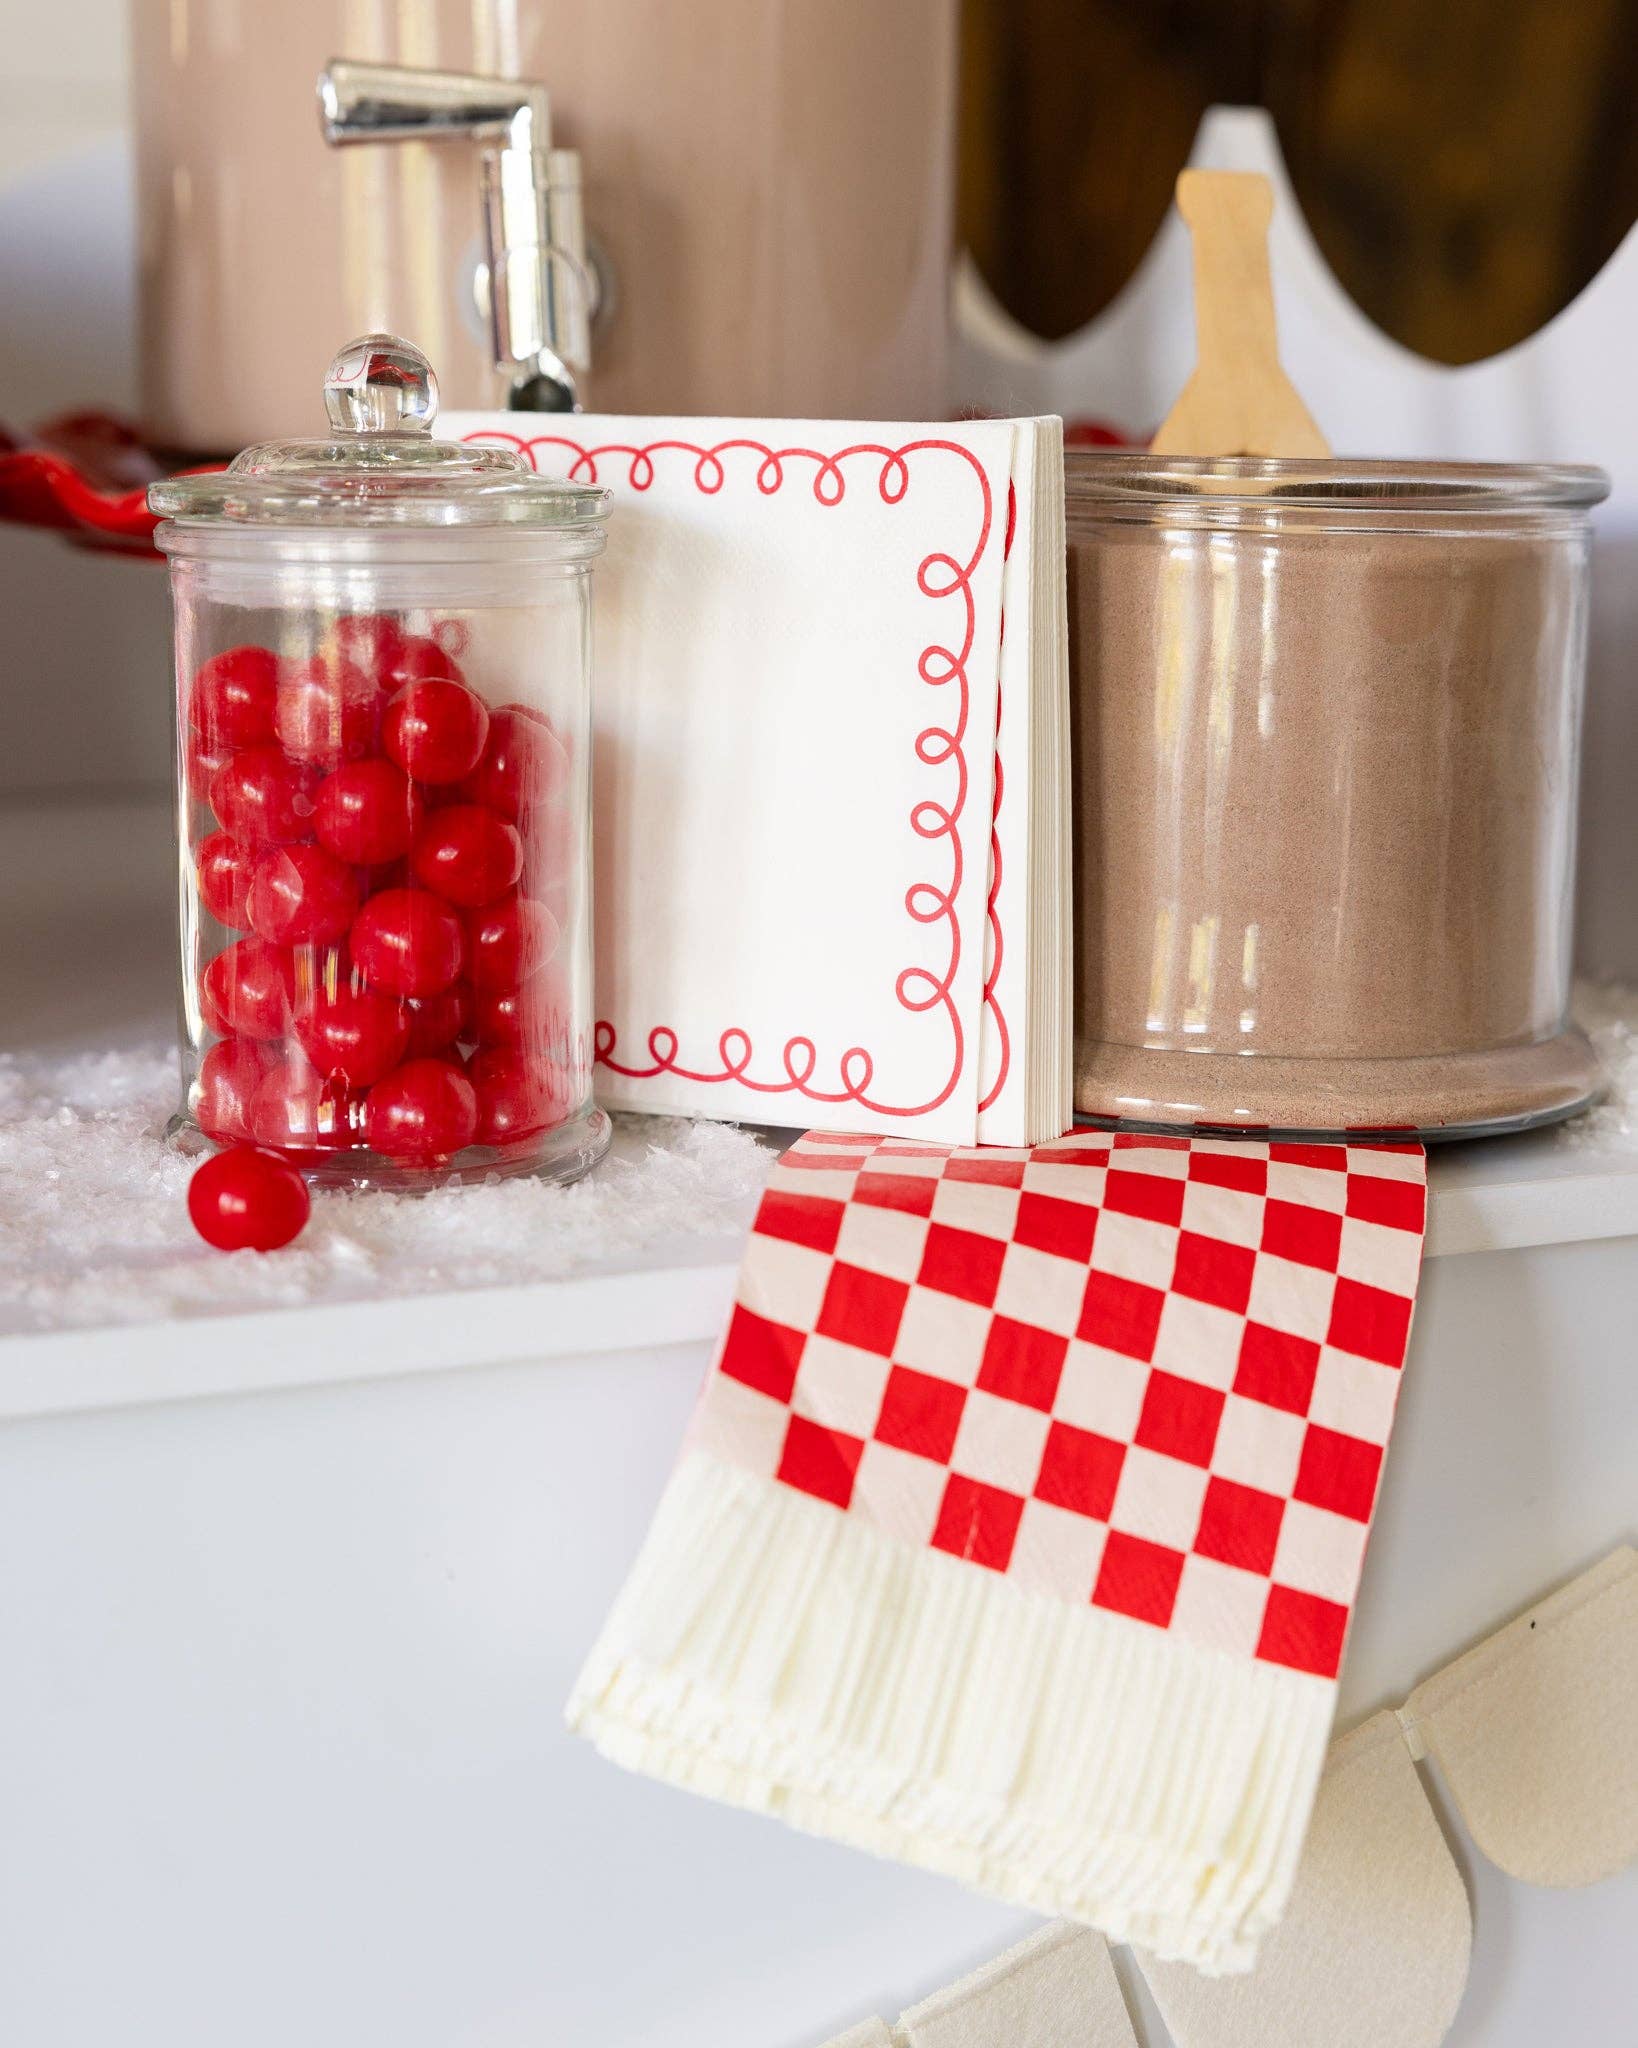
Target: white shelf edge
[
  {"x": 1505, "y": 1195},
  {"x": 1507, "y": 1214},
  {"x": 682, "y": 1301},
  {"x": 64, "y": 1372}
]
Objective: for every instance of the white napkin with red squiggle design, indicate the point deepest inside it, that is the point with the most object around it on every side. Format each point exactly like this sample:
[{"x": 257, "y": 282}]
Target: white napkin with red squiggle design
[{"x": 831, "y": 768}]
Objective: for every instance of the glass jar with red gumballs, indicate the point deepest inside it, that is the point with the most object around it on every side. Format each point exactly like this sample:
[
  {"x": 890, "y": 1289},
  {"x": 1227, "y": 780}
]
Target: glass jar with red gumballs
[{"x": 383, "y": 673}]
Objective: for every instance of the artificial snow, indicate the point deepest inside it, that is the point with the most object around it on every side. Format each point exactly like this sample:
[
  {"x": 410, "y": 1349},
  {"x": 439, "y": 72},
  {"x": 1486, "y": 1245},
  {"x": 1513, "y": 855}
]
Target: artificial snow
[
  {"x": 94, "y": 1226},
  {"x": 1609, "y": 1015}
]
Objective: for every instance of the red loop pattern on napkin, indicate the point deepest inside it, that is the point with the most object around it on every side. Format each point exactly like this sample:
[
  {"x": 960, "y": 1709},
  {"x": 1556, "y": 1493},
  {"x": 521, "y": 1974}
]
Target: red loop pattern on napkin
[{"x": 1153, "y": 1374}]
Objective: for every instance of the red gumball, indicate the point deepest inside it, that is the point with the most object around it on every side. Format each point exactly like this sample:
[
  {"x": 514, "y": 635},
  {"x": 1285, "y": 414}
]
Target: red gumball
[
  {"x": 407, "y": 942},
  {"x": 201, "y": 765},
  {"x": 353, "y": 1035},
  {"x": 225, "y": 870},
  {"x": 435, "y": 1022},
  {"x": 245, "y": 1199},
  {"x": 504, "y": 1017},
  {"x": 318, "y": 972},
  {"x": 422, "y": 1111},
  {"x": 524, "y": 763},
  {"x": 517, "y": 1096},
  {"x": 248, "y": 989},
  {"x": 467, "y": 854},
  {"x": 229, "y": 1075},
  {"x": 553, "y": 862},
  {"x": 299, "y": 1110},
  {"x": 536, "y": 1016},
  {"x": 507, "y": 942},
  {"x": 263, "y": 799},
  {"x": 414, "y": 658},
  {"x": 393, "y": 874},
  {"x": 233, "y": 697},
  {"x": 374, "y": 640},
  {"x": 301, "y": 896},
  {"x": 327, "y": 711},
  {"x": 435, "y": 729},
  {"x": 366, "y": 812}
]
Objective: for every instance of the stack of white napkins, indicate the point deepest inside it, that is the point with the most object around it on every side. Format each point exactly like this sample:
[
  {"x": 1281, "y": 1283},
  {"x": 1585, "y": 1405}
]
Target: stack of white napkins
[{"x": 832, "y": 769}]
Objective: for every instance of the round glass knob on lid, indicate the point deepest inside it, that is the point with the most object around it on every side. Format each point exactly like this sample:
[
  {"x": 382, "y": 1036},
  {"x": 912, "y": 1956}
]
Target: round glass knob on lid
[
  {"x": 382, "y": 467},
  {"x": 380, "y": 384}
]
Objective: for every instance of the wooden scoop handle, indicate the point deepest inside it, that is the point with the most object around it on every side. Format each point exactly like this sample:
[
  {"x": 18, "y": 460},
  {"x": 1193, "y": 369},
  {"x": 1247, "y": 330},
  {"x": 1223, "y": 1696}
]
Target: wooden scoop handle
[{"x": 1238, "y": 401}]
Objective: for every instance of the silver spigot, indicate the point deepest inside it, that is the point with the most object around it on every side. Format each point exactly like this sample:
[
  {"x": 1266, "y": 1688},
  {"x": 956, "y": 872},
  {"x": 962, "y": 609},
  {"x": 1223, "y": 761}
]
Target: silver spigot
[{"x": 539, "y": 291}]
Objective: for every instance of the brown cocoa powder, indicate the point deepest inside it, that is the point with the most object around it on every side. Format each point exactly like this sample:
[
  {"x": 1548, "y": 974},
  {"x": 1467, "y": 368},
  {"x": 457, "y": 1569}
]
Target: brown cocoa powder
[{"x": 1324, "y": 803}]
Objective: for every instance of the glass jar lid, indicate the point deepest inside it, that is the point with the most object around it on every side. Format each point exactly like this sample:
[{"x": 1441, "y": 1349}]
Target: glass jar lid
[
  {"x": 1104, "y": 479},
  {"x": 381, "y": 467}
]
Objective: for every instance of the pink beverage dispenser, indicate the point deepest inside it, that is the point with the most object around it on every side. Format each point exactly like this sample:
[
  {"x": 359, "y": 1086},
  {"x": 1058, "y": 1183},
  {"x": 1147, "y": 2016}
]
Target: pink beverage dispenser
[{"x": 737, "y": 206}]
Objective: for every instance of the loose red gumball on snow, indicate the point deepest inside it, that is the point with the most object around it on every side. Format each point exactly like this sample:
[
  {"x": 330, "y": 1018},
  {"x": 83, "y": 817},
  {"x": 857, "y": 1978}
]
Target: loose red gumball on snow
[
  {"x": 524, "y": 763},
  {"x": 507, "y": 942},
  {"x": 435, "y": 729},
  {"x": 233, "y": 697},
  {"x": 229, "y": 1075},
  {"x": 422, "y": 1111},
  {"x": 263, "y": 799},
  {"x": 435, "y": 1022},
  {"x": 407, "y": 942},
  {"x": 296, "y": 1109},
  {"x": 366, "y": 812},
  {"x": 248, "y": 989},
  {"x": 517, "y": 1096},
  {"x": 467, "y": 854},
  {"x": 327, "y": 711},
  {"x": 225, "y": 870},
  {"x": 245, "y": 1199},
  {"x": 301, "y": 896},
  {"x": 353, "y": 1035}
]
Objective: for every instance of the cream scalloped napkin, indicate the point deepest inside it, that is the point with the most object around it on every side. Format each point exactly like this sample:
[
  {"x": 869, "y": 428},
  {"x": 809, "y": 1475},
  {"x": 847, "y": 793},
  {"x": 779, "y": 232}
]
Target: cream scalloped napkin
[
  {"x": 831, "y": 769},
  {"x": 1373, "y": 1950},
  {"x": 1535, "y": 1733},
  {"x": 1055, "y": 1989}
]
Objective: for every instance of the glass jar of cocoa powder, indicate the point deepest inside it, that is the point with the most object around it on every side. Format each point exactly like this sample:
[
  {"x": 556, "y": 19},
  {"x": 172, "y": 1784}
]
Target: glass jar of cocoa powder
[{"x": 1326, "y": 718}]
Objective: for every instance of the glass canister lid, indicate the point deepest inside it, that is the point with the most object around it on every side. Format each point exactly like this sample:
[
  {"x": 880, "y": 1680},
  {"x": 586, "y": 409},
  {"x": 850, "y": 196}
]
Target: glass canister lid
[
  {"x": 1105, "y": 483},
  {"x": 381, "y": 466}
]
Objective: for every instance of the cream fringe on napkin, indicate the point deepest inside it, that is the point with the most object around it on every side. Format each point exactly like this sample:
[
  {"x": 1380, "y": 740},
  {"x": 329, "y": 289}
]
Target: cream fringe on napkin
[{"x": 773, "y": 1652}]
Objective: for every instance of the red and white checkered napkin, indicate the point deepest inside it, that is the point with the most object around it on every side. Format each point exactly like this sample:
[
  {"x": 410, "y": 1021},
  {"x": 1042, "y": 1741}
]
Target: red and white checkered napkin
[{"x": 1020, "y": 1521}]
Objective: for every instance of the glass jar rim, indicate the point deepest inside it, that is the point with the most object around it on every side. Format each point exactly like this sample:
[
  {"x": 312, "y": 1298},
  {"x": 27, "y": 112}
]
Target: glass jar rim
[
  {"x": 1109, "y": 478},
  {"x": 328, "y": 491}
]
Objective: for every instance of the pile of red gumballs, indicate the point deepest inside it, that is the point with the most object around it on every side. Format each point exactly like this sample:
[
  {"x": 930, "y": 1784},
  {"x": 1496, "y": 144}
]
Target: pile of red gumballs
[{"x": 391, "y": 852}]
